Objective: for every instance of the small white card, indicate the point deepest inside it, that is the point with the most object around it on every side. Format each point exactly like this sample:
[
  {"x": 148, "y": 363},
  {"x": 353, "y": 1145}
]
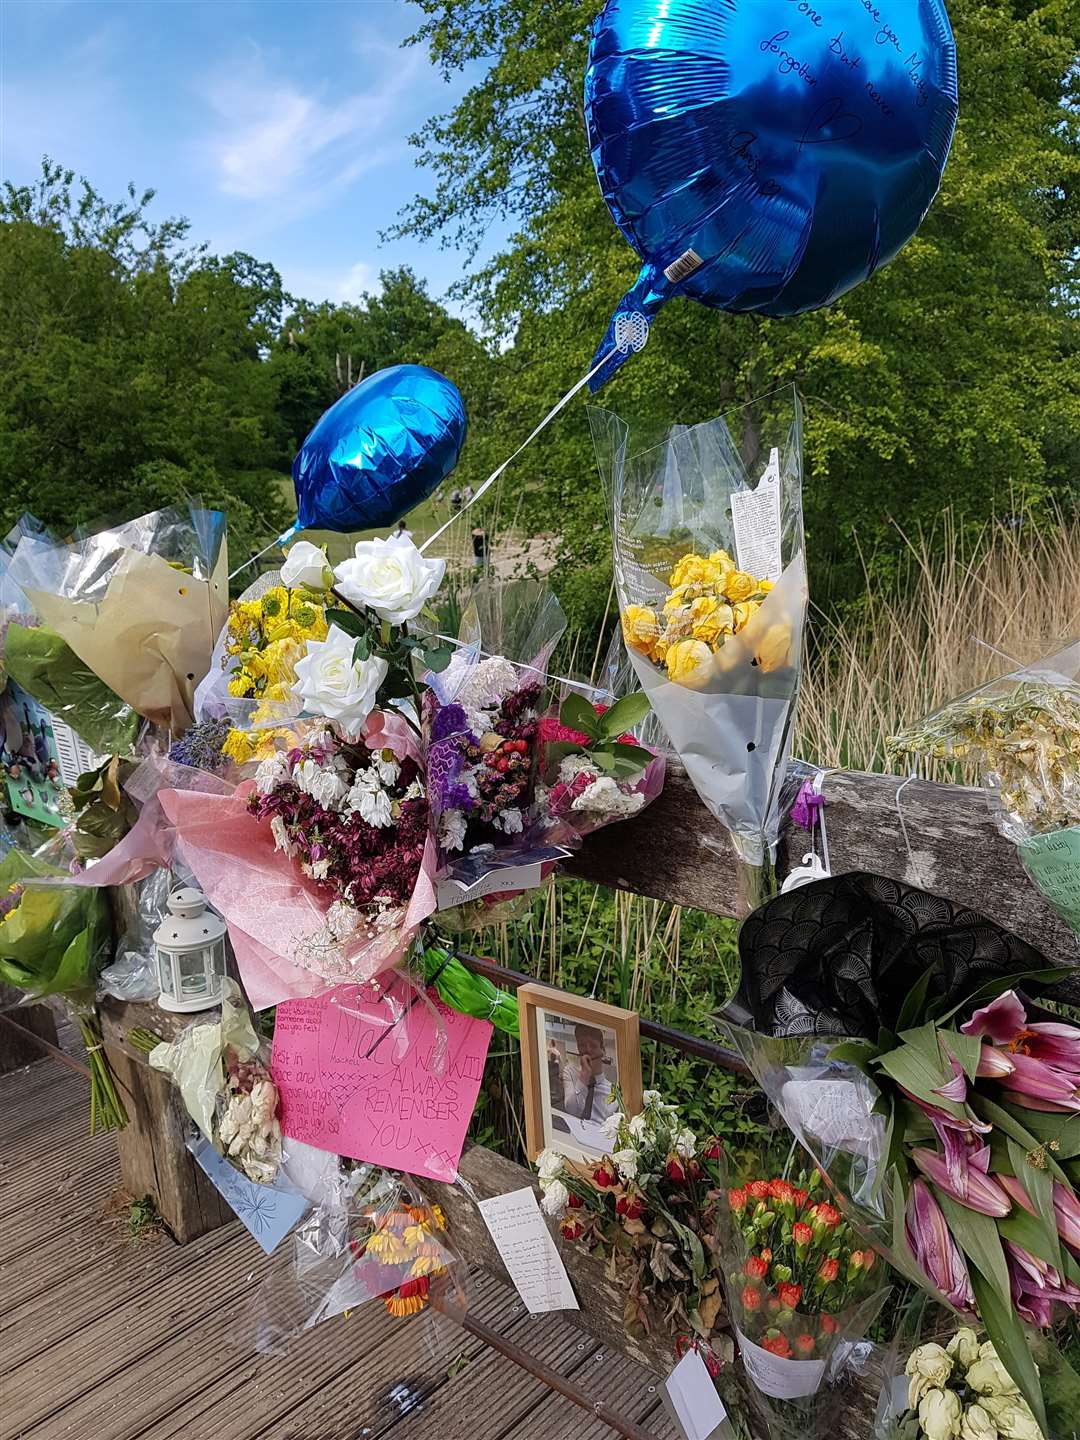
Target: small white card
[
  {"x": 755, "y": 515},
  {"x": 777, "y": 1376},
  {"x": 528, "y": 1251},
  {"x": 692, "y": 1401},
  {"x": 451, "y": 891}
]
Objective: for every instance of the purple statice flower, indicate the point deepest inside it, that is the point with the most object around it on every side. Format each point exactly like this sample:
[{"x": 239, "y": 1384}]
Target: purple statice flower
[
  {"x": 201, "y": 747},
  {"x": 448, "y": 720}
]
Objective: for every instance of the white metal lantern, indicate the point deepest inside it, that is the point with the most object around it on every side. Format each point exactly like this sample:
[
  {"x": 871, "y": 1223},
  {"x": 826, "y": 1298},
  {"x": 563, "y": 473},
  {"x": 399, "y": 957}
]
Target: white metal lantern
[{"x": 190, "y": 946}]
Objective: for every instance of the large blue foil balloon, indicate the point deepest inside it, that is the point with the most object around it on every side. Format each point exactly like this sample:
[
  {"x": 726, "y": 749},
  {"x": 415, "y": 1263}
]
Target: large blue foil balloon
[
  {"x": 381, "y": 449},
  {"x": 764, "y": 155}
]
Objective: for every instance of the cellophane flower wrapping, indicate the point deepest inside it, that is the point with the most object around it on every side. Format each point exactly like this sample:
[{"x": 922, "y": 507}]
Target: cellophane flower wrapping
[
  {"x": 140, "y": 604},
  {"x": 1023, "y": 730},
  {"x": 222, "y": 1069},
  {"x": 801, "y": 1289},
  {"x": 253, "y": 666},
  {"x": 583, "y": 786},
  {"x": 374, "y": 1237},
  {"x": 322, "y": 864},
  {"x": 481, "y": 730},
  {"x": 710, "y": 571}
]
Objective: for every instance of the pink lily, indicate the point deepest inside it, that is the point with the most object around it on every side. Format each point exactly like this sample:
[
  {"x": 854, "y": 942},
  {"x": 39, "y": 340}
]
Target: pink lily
[
  {"x": 977, "y": 1189},
  {"x": 1004, "y": 1022},
  {"x": 935, "y": 1249},
  {"x": 1066, "y": 1207},
  {"x": 1037, "y": 1286},
  {"x": 1041, "y": 1086}
]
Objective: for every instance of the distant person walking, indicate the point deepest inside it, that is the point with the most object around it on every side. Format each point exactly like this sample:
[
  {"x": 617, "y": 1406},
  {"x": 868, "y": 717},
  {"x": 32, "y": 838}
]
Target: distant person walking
[
  {"x": 479, "y": 547},
  {"x": 455, "y": 501},
  {"x": 469, "y": 492},
  {"x": 402, "y": 532}
]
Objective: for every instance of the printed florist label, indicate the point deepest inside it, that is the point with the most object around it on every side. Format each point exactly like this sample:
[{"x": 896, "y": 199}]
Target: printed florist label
[{"x": 395, "y": 1094}]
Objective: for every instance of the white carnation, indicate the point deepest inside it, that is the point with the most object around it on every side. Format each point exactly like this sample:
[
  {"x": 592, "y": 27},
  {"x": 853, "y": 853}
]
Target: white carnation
[
  {"x": 626, "y": 1162},
  {"x": 555, "y": 1197},
  {"x": 610, "y": 1124},
  {"x": 550, "y": 1165}
]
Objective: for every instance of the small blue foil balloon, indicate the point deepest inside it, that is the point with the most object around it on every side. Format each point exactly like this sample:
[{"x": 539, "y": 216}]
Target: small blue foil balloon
[
  {"x": 764, "y": 155},
  {"x": 379, "y": 450}
]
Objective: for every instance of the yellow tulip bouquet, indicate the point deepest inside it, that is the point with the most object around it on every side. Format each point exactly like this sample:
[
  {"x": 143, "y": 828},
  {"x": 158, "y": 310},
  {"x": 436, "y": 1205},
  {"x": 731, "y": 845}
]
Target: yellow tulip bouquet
[{"x": 710, "y": 572}]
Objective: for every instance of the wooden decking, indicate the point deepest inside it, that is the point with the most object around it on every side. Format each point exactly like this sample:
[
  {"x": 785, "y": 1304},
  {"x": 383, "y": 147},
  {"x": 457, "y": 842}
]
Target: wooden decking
[{"x": 103, "y": 1339}]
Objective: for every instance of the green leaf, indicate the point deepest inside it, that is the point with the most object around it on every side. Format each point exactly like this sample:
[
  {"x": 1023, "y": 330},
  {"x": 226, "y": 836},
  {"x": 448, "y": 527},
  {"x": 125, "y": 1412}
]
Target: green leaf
[
  {"x": 915, "y": 1000},
  {"x": 987, "y": 1110},
  {"x": 855, "y": 1052},
  {"x": 1039, "y": 1185},
  {"x": 636, "y": 756},
  {"x": 977, "y": 1235},
  {"x": 362, "y": 649},
  {"x": 911, "y": 1067},
  {"x": 967, "y": 1049},
  {"x": 1005, "y": 1329},
  {"x": 1046, "y": 1126},
  {"x": 991, "y": 989},
  {"x": 1028, "y": 1231},
  {"x": 624, "y": 714},
  {"x": 437, "y": 660},
  {"x": 577, "y": 714},
  {"x": 349, "y": 621},
  {"x": 603, "y": 760}
]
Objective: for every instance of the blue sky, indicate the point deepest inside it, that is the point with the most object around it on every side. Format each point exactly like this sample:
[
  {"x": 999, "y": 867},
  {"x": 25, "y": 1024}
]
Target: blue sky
[{"x": 279, "y": 127}]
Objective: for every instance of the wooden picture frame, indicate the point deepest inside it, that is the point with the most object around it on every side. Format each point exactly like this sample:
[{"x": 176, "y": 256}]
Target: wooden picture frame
[{"x": 553, "y": 1025}]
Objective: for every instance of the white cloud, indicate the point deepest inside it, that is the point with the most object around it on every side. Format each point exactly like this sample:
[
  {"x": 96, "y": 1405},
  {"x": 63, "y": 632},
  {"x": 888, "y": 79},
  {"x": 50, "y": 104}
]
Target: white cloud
[
  {"x": 322, "y": 282},
  {"x": 274, "y": 139},
  {"x": 361, "y": 277}
]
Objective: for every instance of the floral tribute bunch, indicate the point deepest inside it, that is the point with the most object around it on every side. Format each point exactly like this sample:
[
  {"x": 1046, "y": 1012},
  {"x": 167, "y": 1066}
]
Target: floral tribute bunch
[
  {"x": 247, "y": 1125},
  {"x": 401, "y": 1256},
  {"x": 482, "y": 753},
  {"x": 1023, "y": 730},
  {"x": 796, "y": 1266},
  {"x": 651, "y": 1207},
  {"x": 593, "y": 770},
  {"x": 959, "y": 1391},
  {"x": 266, "y": 636},
  {"x": 709, "y": 600}
]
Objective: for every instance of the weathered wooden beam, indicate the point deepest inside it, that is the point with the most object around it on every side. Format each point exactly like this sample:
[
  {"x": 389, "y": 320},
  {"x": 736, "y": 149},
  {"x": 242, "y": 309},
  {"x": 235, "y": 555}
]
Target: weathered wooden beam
[
  {"x": 942, "y": 838},
  {"x": 17, "y": 1044}
]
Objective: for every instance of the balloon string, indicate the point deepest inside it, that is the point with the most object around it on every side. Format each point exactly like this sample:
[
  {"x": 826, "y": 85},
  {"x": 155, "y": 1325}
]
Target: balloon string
[
  {"x": 280, "y": 540},
  {"x": 496, "y": 473}
]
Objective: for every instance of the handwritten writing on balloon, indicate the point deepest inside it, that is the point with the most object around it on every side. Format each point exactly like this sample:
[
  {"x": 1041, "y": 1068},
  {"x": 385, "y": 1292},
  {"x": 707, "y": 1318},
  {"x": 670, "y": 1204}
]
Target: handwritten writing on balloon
[{"x": 399, "y": 1096}]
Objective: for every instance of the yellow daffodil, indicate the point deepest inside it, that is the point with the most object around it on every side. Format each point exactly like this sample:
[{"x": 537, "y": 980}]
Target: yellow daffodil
[
  {"x": 773, "y": 650},
  {"x": 640, "y": 628},
  {"x": 686, "y": 659},
  {"x": 738, "y": 585}
]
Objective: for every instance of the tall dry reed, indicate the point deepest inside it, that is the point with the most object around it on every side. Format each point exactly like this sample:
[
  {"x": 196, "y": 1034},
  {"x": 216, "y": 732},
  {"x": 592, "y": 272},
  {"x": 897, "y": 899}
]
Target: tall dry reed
[{"x": 963, "y": 610}]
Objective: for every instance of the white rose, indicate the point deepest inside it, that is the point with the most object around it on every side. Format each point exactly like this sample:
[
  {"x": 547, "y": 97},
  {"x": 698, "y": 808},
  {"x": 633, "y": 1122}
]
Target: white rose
[
  {"x": 977, "y": 1424},
  {"x": 964, "y": 1347},
  {"x": 330, "y": 683},
  {"x": 306, "y": 564},
  {"x": 989, "y": 1377},
  {"x": 651, "y": 1098},
  {"x": 929, "y": 1367},
  {"x": 686, "y": 1144},
  {"x": 940, "y": 1413},
  {"x": 390, "y": 577},
  {"x": 1012, "y": 1416},
  {"x": 550, "y": 1165},
  {"x": 637, "y": 1127},
  {"x": 626, "y": 1162},
  {"x": 555, "y": 1197}
]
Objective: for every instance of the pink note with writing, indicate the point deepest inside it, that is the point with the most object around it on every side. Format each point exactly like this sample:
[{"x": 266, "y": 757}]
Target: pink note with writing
[{"x": 399, "y": 1097}]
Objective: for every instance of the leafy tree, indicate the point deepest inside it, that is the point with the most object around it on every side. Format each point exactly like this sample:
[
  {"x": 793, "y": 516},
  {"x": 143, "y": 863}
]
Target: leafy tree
[{"x": 952, "y": 377}]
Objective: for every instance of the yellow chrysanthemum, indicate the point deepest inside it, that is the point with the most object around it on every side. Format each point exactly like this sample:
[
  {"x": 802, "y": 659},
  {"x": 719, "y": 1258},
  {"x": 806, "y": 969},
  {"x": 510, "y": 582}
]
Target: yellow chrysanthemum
[
  {"x": 241, "y": 684},
  {"x": 745, "y": 612},
  {"x": 710, "y": 618},
  {"x": 640, "y": 628},
  {"x": 773, "y": 650},
  {"x": 238, "y": 746},
  {"x": 686, "y": 659},
  {"x": 738, "y": 585},
  {"x": 310, "y": 620},
  {"x": 275, "y": 603}
]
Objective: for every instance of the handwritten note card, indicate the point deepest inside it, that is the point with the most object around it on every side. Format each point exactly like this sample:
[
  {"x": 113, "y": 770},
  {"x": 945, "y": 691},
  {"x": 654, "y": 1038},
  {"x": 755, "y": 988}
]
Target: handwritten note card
[
  {"x": 692, "y": 1401},
  {"x": 269, "y": 1212},
  {"x": 528, "y": 1251},
  {"x": 353, "y": 1081},
  {"x": 1053, "y": 862}
]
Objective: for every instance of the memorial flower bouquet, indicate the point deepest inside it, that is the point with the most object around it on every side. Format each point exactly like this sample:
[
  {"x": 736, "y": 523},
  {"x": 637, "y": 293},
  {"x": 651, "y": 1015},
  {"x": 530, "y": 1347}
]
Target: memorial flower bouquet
[
  {"x": 650, "y": 1208},
  {"x": 710, "y": 572},
  {"x": 1023, "y": 730}
]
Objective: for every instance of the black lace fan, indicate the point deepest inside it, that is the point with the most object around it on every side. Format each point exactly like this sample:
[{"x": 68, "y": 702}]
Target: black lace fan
[{"x": 838, "y": 956}]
